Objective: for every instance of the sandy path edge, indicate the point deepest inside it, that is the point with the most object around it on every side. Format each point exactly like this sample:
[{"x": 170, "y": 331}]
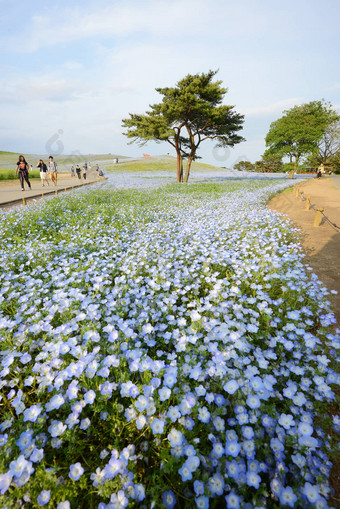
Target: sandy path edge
[{"x": 321, "y": 244}]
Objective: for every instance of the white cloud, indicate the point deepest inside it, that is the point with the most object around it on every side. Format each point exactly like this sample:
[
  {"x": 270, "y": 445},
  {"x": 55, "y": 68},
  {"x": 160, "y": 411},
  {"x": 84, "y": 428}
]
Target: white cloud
[
  {"x": 35, "y": 89},
  {"x": 160, "y": 18}
]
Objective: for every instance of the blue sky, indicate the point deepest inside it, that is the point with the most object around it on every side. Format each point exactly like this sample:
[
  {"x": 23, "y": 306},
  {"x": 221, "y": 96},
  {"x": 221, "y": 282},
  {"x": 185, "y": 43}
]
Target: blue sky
[{"x": 71, "y": 70}]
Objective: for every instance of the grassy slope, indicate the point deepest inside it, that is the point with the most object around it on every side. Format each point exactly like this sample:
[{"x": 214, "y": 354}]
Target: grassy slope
[{"x": 106, "y": 161}]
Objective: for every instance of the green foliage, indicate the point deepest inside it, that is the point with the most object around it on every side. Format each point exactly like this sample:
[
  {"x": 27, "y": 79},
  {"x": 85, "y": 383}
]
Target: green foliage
[
  {"x": 190, "y": 113},
  {"x": 298, "y": 132},
  {"x": 244, "y": 166},
  {"x": 269, "y": 163}
]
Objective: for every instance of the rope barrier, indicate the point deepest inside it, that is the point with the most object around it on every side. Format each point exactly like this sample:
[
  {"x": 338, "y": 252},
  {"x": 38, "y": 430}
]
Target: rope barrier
[{"x": 300, "y": 194}]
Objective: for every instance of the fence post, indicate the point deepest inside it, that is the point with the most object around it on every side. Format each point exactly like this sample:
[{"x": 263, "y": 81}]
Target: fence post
[
  {"x": 24, "y": 201},
  {"x": 308, "y": 203},
  {"x": 56, "y": 191},
  {"x": 318, "y": 217},
  {"x": 301, "y": 195}
]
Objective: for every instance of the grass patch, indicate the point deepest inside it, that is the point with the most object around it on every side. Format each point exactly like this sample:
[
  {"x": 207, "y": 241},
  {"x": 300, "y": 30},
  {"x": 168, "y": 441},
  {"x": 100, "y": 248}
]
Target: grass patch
[{"x": 10, "y": 175}]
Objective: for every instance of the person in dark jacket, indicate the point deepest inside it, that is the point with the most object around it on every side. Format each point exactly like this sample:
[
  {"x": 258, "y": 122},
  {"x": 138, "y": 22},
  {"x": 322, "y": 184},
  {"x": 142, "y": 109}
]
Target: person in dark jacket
[
  {"x": 22, "y": 169},
  {"x": 43, "y": 172}
]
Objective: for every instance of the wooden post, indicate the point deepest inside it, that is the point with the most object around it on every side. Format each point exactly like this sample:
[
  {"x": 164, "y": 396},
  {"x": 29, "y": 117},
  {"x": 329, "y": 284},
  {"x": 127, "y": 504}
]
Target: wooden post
[
  {"x": 308, "y": 203},
  {"x": 24, "y": 201},
  {"x": 42, "y": 195},
  {"x": 56, "y": 191},
  {"x": 318, "y": 217},
  {"x": 65, "y": 189},
  {"x": 301, "y": 196}
]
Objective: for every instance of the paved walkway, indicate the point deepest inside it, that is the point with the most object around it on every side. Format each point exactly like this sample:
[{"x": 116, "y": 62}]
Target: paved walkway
[
  {"x": 335, "y": 181},
  {"x": 12, "y": 195}
]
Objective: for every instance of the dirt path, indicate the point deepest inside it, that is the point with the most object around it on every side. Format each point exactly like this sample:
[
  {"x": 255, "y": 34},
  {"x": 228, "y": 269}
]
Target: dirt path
[{"x": 322, "y": 243}]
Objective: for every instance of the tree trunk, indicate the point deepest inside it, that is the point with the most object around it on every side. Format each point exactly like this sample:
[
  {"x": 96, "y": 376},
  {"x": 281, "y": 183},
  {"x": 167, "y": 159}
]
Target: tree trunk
[
  {"x": 181, "y": 174},
  {"x": 179, "y": 167},
  {"x": 187, "y": 171}
]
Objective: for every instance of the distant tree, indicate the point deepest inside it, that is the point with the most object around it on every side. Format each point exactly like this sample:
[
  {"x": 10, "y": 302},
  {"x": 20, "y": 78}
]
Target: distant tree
[
  {"x": 269, "y": 163},
  {"x": 244, "y": 166},
  {"x": 190, "y": 113},
  {"x": 299, "y": 131},
  {"x": 329, "y": 144},
  {"x": 334, "y": 162}
]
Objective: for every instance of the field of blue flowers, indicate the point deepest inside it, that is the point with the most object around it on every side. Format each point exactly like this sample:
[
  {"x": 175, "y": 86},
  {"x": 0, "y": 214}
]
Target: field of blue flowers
[{"x": 162, "y": 348}]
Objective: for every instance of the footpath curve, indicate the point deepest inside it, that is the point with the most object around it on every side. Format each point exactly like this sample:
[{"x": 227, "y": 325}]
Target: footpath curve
[{"x": 322, "y": 243}]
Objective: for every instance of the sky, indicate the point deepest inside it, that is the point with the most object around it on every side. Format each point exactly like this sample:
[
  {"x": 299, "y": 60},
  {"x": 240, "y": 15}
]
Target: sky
[{"x": 70, "y": 71}]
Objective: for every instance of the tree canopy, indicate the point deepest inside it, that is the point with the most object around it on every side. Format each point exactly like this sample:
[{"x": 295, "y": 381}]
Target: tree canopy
[
  {"x": 299, "y": 131},
  {"x": 189, "y": 113},
  {"x": 244, "y": 166}
]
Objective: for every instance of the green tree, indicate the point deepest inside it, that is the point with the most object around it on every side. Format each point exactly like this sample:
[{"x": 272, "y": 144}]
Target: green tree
[
  {"x": 244, "y": 166},
  {"x": 269, "y": 163},
  {"x": 299, "y": 131},
  {"x": 189, "y": 113}
]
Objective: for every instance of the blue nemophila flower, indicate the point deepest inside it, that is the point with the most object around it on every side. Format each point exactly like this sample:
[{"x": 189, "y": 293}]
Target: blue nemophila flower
[
  {"x": 64, "y": 505},
  {"x": 84, "y": 423},
  {"x": 3, "y": 439},
  {"x": 199, "y": 488},
  {"x": 253, "y": 479},
  {"x": 56, "y": 428},
  {"x": 203, "y": 414},
  {"x": 169, "y": 499},
  {"x": 157, "y": 426},
  {"x": 5, "y": 481},
  {"x": 232, "y": 448},
  {"x": 253, "y": 401},
  {"x": 17, "y": 467},
  {"x": 25, "y": 358},
  {"x": 32, "y": 413},
  {"x": 232, "y": 501},
  {"x": 287, "y": 497},
  {"x": 25, "y": 439},
  {"x": 37, "y": 455},
  {"x": 44, "y": 497},
  {"x": 175, "y": 437},
  {"x": 164, "y": 393},
  {"x": 202, "y": 502},
  {"x": 55, "y": 402},
  {"x": 185, "y": 472},
  {"x": 311, "y": 492},
  {"x": 119, "y": 500},
  {"x": 286, "y": 420},
  {"x": 231, "y": 386},
  {"x": 140, "y": 421},
  {"x": 305, "y": 429},
  {"x": 76, "y": 471}
]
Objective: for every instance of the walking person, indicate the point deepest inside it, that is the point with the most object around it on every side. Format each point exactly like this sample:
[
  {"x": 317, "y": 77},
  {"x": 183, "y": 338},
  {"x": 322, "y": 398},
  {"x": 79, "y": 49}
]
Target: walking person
[
  {"x": 43, "y": 172},
  {"x": 72, "y": 171},
  {"x": 78, "y": 171},
  {"x": 22, "y": 169},
  {"x": 53, "y": 170},
  {"x": 85, "y": 171}
]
